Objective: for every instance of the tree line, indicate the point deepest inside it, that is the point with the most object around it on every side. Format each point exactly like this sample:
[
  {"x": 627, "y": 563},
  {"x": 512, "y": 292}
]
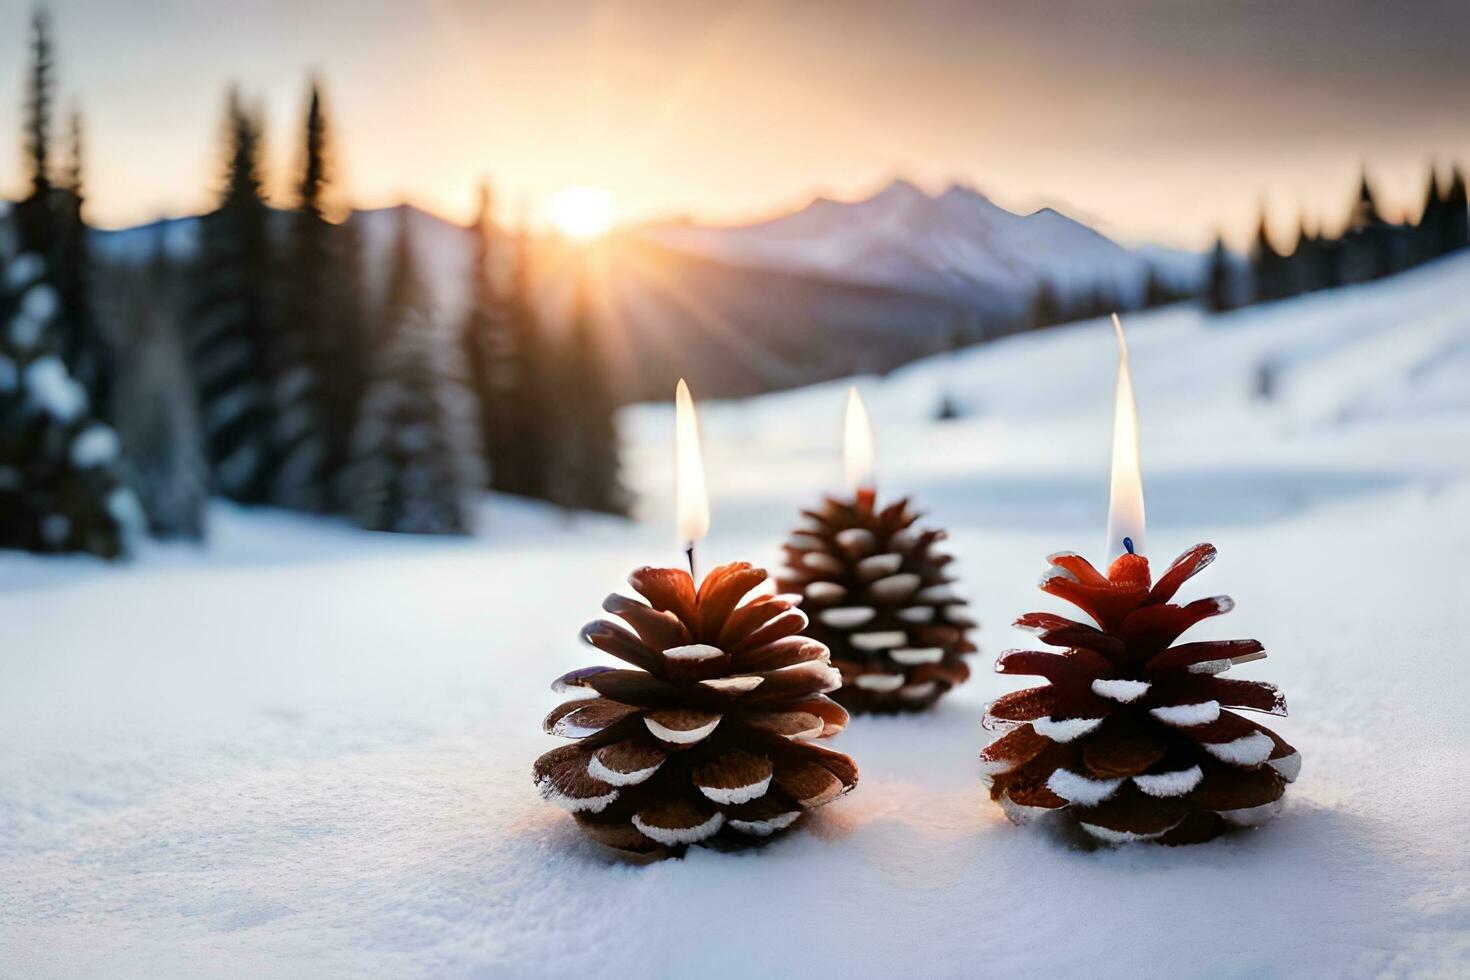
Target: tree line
[
  {"x": 1369, "y": 247},
  {"x": 265, "y": 364}
]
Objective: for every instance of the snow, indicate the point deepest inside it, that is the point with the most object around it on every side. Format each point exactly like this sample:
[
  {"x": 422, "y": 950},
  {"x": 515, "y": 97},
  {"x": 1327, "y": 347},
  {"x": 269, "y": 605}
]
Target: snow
[
  {"x": 1120, "y": 689},
  {"x": 53, "y": 390},
  {"x": 305, "y": 750},
  {"x": 957, "y": 242},
  {"x": 1076, "y": 788},
  {"x": 1187, "y": 715},
  {"x": 96, "y": 445}
]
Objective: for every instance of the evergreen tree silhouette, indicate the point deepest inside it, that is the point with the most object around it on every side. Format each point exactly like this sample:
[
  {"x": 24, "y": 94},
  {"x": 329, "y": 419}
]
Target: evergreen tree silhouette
[
  {"x": 33, "y": 214},
  {"x": 488, "y": 349},
  {"x": 1046, "y": 307},
  {"x": 1307, "y": 262},
  {"x": 1456, "y": 213},
  {"x": 317, "y": 374},
  {"x": 88, "y": 354},
  {"x": 1220, "y": 284},
  {"x": 409, "y": 472},
  {"x": 1367, "y": 249},
  {"x": 157, "y": 411},
  {"x": 1268, "y": 266},
  {"x": 1430, "y": 233},
  {"x": 59, "y": 484},
  {"x": 523, "y": 461},
  {"x": 230, "y": 332},
  {"x": 587, "y": 444}
]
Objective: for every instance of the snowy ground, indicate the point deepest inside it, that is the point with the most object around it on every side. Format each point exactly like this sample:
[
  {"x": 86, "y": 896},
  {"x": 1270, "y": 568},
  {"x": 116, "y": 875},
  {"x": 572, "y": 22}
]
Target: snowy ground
[{"x": 306, "y": 751}]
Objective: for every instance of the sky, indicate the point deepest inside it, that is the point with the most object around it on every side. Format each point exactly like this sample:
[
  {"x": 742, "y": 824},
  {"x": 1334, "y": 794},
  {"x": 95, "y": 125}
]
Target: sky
[{"x": 1159, "y": 120}]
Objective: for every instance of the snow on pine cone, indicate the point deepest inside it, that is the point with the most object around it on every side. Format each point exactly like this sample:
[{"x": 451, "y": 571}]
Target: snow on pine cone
[
  {"x": 707, "y": 740},
  {"x": 880, "y": 598},
  {"x": 1131, "y": 737}
]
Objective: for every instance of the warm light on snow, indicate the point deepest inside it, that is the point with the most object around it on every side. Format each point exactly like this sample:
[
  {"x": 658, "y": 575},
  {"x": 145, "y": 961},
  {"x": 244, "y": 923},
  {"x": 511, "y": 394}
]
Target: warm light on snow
[
  {"x": 582, "y": 213},
  {"x": 857, "y": 444},
  {"x": 1125, "y": 503},
  {"x": 693, "y": 501}
]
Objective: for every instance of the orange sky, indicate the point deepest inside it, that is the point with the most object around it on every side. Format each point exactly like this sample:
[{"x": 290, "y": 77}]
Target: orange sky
[{"x": 1158, "y": 119}]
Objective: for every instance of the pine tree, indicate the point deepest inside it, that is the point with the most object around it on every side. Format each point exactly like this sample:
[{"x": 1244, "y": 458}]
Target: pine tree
[
  {"x": 1429, "y": 232},
  {"x": 1307, "y": 271},
  {"x": 1456, "y": 213},
  {"x": 522, "y": 461},
  {"x": 317, "y": 371},
  {"x": 410, "y": 471},
  {"x": 157, "y": 411},
  {"x": 87, "y": 353},
  {"x": 488, "y": 349},
  {"x": 1046, "y": 307},
  {"x": 230, "y": 333},
  {"x": 59, "y": 484},
  {"x": 587, "y": 443},
  {"x": 1268, "y": 267},
  {"x": 1367, "y": 249},
  {"x": 1220, "y": 286},
  {"x": 33, "y": 214}
]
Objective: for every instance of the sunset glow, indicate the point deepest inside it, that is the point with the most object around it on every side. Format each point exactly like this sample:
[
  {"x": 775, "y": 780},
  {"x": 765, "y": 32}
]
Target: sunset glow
[{"x": 581, "y": 213}]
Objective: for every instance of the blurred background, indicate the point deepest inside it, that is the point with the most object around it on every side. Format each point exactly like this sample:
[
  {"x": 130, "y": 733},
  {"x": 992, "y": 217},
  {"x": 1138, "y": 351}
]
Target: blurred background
[{"x": 372, "y": 259}]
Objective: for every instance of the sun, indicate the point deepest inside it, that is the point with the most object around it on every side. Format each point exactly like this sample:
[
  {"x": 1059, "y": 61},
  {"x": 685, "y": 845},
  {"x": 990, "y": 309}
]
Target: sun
[{"x": 581, "y": 212}]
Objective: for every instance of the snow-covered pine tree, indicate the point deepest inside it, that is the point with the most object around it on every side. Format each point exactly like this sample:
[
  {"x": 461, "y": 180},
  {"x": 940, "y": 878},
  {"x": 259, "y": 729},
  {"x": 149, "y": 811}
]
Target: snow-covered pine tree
[
  {"x": 523, "y": 451},
  {"x": 230, "y": 332},
  {"x": 312, "y": 417},
  {"x": 414, "y": 458},
  {"x": 157, "y": 415},
  {"x": 59, "y": 485},
  {"x": 50, "y": 224},
  {"x": 586, "y": 471}
]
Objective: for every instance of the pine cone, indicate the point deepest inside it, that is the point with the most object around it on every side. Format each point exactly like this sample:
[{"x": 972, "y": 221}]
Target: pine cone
[
  {"x": 705, "y": 741},
  {"x": 1130, "y": 736},
  {"x": 880, "y": 599}
]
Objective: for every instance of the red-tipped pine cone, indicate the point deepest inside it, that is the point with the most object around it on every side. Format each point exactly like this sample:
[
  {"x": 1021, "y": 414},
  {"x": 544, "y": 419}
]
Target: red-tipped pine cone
[
  {"x": 706, "y": 741},
  {"x": 1131, "y": 737},
  {"x": 879, "y": 596}
]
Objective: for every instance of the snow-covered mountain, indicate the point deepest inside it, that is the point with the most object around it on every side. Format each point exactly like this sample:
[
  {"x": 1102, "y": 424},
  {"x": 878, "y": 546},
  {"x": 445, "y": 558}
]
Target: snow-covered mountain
[
  {"x": 958, "y": 244},
  {"x": 830, "y": 290}
]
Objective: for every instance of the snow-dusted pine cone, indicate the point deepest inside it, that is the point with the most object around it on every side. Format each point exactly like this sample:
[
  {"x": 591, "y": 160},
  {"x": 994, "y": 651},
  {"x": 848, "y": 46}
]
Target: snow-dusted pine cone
[
  {"x": 1131, "y": 736},
  {"x": 880, "y": 598},
  {"x": 706, "y": 740}
]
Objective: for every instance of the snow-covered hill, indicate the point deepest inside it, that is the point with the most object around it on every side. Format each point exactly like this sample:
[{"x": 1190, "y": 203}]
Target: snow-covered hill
[
  {"x": 956, "y": 244},
  {"x": 305, "y": 750}
]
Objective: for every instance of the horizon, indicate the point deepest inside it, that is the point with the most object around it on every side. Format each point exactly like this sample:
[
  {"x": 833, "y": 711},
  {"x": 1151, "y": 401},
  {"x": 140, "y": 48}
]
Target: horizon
[{"x": 1162, "y": 122}]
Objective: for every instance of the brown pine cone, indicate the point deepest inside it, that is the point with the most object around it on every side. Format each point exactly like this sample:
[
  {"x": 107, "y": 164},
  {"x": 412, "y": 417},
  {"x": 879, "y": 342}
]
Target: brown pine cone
[
  {"x": 880, "y": 598},
  {"x": 1130, "y": 737},
  {"x": 706, "y": 741}
]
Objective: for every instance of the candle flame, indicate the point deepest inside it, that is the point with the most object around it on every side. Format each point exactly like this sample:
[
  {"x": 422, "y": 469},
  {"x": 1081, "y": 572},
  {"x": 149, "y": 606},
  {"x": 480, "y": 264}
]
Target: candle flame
[
  {"x": 1125, "y": 505},
  {"x": 692, "y": 500},
  {"x": 857, "y": 444}
]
